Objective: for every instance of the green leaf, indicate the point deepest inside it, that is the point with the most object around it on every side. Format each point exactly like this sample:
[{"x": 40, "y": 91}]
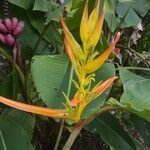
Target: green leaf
[
  {"x": 28, "y": 38},
  {"x": 9, "y": 87},
  {"x": 24, "y": 120},
  {"x": 13, "y": 136},
  {"x": 75, "y": 4},
  {"x": 54, "y": 12},
  {"x": 40, "y": 5},
  {"x": 52, "y": 34},
  {"x": 126, "y": 13},
  {"x": 105, "y": 72},
  {"x": 49, "y": 73},
  {"x": 109, "y": 6},
  {"x": 136, "y": 96},
  {"x": 143, "y": 128},
  {"x": 2, "y": 142},
  {"x": 112, "y": 132},
  {"x": 22, "y": 3},
  {"x": 130, "y": 19}
]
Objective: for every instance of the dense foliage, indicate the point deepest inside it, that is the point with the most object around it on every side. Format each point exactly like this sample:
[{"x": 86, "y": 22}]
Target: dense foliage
[{"x": 36, "y": 70}]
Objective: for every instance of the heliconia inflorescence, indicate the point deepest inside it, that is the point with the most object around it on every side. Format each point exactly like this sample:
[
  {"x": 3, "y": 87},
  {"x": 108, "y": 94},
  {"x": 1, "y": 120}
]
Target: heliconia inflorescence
[{"x": 85, "y": 61}]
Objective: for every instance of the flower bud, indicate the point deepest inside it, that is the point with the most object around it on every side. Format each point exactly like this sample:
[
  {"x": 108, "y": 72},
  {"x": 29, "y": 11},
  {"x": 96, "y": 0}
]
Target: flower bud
[
  {"x": 8, "y": 24},
  {"x": 2, "y": 38},
  {"x": 10, "y": 40},
  {"x": 14, "y": 22},
  {"x": 19, "y": 28},
  {"x": 117, "y": 50},
  {"x": 3, "y": 29}
]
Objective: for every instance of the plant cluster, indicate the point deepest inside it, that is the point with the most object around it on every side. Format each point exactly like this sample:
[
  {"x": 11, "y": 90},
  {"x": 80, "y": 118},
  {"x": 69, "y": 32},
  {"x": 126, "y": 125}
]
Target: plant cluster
[{"x": 75, "y": 90}]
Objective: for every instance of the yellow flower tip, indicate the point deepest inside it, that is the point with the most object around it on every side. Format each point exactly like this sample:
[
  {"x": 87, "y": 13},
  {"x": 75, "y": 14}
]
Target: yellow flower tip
[
  {"x": 100, "y": 89},
  {"x": 83, "y": 25},
  {"x": 68, "y": 50},
  {"x": 97, "y": 31},
  {"x": 55, "y": 113}
]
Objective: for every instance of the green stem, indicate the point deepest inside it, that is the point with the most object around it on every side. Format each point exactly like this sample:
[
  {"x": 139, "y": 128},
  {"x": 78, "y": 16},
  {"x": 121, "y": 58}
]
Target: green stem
[
  {"x": 70, "y": 81},
  {"x": 137, "y": 68},
  {"x": 59, "y": 135},
  {"x": 21, "y": 75},
  {"x": 136, "y": 53},
  {"x": 62, "y": 121},
  {"x": 84, "y": 122}
]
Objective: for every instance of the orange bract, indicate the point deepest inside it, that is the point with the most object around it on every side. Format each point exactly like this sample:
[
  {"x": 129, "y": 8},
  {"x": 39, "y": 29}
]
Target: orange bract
[{"x": 56, "y": 113}]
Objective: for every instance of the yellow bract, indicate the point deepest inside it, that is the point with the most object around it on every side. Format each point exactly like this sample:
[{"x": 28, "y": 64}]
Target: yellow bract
[{"x": 84, "y": 24}]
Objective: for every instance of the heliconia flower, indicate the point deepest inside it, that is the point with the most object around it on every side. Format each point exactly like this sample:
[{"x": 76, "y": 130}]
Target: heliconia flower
[
  {"x": 97, "y": 62},
  {"x": 55, "y": 113},
  {"x": 19, "y": 28},
  {"x": 90, "y": 28},
  {"x": 9, "y": 40},
  {"x": 8, "y": 24},
  {"x": 14, "y": 22}
]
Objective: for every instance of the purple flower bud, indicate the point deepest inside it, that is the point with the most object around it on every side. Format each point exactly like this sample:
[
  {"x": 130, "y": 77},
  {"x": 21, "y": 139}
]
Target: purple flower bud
[
  {"x": 2, "y": 38},
  {"x": 10, "y": 40},
  {"x": 111, "y": 40},
  {"x": 8, "y": 24},
  {"x": 14, "y": 22},
  {"x": 3, "y": 29},
  {"x": 19, "y": 28}
]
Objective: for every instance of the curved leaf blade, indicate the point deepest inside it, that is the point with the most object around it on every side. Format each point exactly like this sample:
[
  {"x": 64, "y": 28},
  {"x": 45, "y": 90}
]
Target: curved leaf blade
[
  {"x": 136, "y": 96},
  {"x": 112, "y": 133},
  {"x": 48, "y": 74}
]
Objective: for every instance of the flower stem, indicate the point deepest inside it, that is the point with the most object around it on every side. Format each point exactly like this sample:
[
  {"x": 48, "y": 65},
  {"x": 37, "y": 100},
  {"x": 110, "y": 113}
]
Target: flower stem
[
  {"x": 21, "y": 75},
  {"x": 62, "y": 121},
  {"x": 137, "y": 68},
  {"x": 70, "y": 81},
  {"x": 79, "y": 126},
  {"x": 59, "y": 135}
]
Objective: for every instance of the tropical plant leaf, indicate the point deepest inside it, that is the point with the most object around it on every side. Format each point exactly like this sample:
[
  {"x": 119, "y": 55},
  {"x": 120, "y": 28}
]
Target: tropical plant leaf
[
  {"x": 22, "y": 3},
  {"x": 52, "y": 35},
  {"x": 13, "y": 136},
  {"x": 40, "y": 5},
  {"x": 54, "y": 12},
  {"x": 136, "y": 96},
  {"x": 48, "y": 74},
  {"x": 143, "y": 128},
  {"x": 9, "y": 87},
  {"x": 112, "y": 132},
  {"x": 22, "y": 119},
  {"x": 126, "y": 13}
]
